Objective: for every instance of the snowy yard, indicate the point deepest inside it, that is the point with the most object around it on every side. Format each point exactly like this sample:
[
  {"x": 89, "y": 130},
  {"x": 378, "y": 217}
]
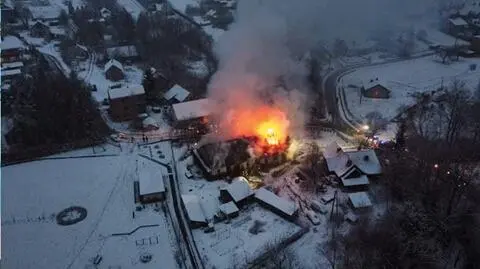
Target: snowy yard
[
  {"x": 404, "y": 79},
  {"x": 104, "y": 187}
]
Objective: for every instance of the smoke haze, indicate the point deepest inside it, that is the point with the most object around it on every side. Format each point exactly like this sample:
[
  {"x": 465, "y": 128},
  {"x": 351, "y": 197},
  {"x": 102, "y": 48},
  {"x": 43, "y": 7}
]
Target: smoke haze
[{"x": 268, "y": 39}]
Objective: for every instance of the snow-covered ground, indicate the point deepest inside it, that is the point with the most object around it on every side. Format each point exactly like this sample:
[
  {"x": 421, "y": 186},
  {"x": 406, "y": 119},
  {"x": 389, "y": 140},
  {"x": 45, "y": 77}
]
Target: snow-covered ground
[
  {"x": 37, "y": 191},
  {"x": 132, "y": 6},
  {"x": 404, "y": 79}
]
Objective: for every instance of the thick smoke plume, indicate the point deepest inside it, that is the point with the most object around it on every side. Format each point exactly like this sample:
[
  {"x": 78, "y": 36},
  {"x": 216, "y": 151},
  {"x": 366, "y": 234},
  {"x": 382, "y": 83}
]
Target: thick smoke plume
[{"x": 260, "y": 56}]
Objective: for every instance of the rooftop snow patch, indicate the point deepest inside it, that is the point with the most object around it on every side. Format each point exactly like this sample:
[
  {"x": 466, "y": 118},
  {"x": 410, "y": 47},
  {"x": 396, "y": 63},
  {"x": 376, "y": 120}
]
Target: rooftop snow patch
[
  {"x": 228, "y": 208},
  {"x": 458, "y": 22},
  {"x": 268, "y": 197},
  {"x": 239, "y": 189},
  {"x": 360, "y": 199},
  {"x": 11, "y": 42},
  {"x": 112, "y": 63},
  {"x": 339, "y": 163},
  {"x": 12, "y": 65},
  {"x": 151, "y": 181},
  {"x": 11, "y": 72},
  {"x": 193, "y": 208},
  {"x": 177, "y": 92},
  {"x": 366, "y": 161},
  {"x": 192, "y": 110},
  {"x": 441, "y": 39},
  {"x": 357, "y": 181},
  {"x": 123, "y": 92}
]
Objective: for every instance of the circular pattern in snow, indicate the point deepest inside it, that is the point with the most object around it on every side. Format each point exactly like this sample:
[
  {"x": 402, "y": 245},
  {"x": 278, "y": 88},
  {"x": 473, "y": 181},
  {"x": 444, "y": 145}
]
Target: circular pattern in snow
[{"x": 71, "y": 215}]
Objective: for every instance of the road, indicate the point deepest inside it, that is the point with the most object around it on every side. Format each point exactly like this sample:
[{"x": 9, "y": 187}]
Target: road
[{"x": 329, "y": 86}]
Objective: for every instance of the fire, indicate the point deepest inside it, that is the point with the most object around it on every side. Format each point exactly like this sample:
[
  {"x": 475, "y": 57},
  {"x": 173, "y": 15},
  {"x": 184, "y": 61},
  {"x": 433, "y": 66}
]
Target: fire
[{"x": 267, "y": 125}]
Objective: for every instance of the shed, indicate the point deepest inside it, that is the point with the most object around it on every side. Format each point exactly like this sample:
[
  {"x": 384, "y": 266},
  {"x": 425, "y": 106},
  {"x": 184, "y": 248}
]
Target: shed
[
  {"x": 151, "y": 186},
  {"x": 238, "y": 191},
  {"x": 278, "y": 205},
  {"x": 114, "y": 70},
  {"x": 176, "y": 94},
  {"x": 359, "y": 200},
  {"x": 229, "y": 209},
  {"x": 194, "y": 211}
]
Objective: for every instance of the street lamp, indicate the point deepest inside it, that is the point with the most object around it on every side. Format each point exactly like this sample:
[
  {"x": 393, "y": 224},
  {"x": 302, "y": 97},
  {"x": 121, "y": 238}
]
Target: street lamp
[{"x": 365, "y": 127}]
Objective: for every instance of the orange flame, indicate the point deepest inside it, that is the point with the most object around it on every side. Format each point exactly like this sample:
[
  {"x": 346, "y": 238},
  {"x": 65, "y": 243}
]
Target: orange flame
[{"x": 268, "y": 125}]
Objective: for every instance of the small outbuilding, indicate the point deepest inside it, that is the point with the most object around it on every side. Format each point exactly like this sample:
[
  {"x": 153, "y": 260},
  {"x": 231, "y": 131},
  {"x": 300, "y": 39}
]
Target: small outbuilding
[
  {"x": 359, "y": 200},
  {"x": 114, "y": 70},
  {"x": 276, "y": 204},
  {"x": 194, "y": 211},
  {"x": 151, "y": 186},
  {"x": 176, "y": 94},
  {"x": 238, "y": 191},
  {"x": 229, "y": 209}
]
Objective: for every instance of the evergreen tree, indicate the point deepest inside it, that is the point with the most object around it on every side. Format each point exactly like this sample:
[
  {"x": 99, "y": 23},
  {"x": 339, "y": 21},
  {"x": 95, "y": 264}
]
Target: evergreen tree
[
  {"x": 149, "y": 85},
  {"x": 400, "y": 137}
]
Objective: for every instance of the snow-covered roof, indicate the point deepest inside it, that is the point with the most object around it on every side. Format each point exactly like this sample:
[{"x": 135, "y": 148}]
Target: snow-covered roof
[
  {"x": 286, "y": 206},
  {"x": 458, "y": 22},
  {"x": 360, "y": 199},
  {"x": 370, "y": 83},
  {"x": 57, "y": 30},
  {"x": 122, "y": 51},
  {"x": 129, "y": 90},
  {"x": 177, "y": 92},
  {"x": 193, "y": 208},
  {"x": 149, "y": 121},
  {"x": 150, "y": 181},
  {"x": 11, "y": 42},
  {"x": 81, "y": 47},
  {"x": 338, "y": 163},
  {"x": 192, "y": 109},
  {"x": 11, "y": 72},
  {"x": 239, "y": 189},
  {"x": 228, "y": 208},
  {"x": 331, "y": 150},
  {"x": 438, "y": 38},
  {"x": 358, "y": 181},
  {"x": 111, "y": 63},
  {"x": 45, "y": 12},
  {"x": 366, "y": 161},
  {"x": 12, "y": 65}
]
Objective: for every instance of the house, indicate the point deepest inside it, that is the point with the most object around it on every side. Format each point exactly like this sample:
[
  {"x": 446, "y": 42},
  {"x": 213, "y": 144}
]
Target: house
[
  {"x": 375, "y": 89},
  {"x": 123, "y": 53},
  {"x": 151, "y": 186},
  {"x": 456, "y": 26},
  {"x": 176, "y": 94},
  {"x": 224, "y": 158},
  {"x": 229, "y": 209},
  {"x": 40, "y": 29},
  {"x": 78, "y": 52},
  {"x": 11, "y": 49},
  {"x": 237, "y": 191},
  {"x": 12, "y": 65},
  {"x": 58, "y": 32},
  {"x": 359, "y": 200},
  {"x": 126, "y": 102},
  {"x": 105, "y": 13},
  {"x": 114, "y": 70},
  {"x": 194, "y": 212},
  {"x": 8, "y": 75},
  {"x": 276, "y": 204},
  {"x": 190, "y": 113},
  {"x": 353, "y": 167}
]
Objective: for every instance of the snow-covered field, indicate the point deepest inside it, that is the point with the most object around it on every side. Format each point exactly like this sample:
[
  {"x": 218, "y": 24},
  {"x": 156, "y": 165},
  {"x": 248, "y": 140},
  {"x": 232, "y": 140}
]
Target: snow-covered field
[
  {"x": 35, "y": 192},
  {"x": 403, "y": 79}
]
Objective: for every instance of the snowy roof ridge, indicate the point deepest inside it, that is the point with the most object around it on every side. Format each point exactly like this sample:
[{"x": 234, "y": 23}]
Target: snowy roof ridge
[
  {"x": 193, "y": 208},
  {"x": 129, "y": 90},
  {"x": 177, "y": 92},
  {"x": 111, "y": 63},
  {"x": 192, "y": 109},
  {"x": 11, "y": 42},
  {"x": 239, "y": 189},
  {"x": 286, "y": 206},
  {"x": 359, "y": 199}
]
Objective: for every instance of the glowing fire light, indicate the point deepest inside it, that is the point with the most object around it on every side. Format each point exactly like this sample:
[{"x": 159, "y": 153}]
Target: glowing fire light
[{"x": 268, "y": 125}]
